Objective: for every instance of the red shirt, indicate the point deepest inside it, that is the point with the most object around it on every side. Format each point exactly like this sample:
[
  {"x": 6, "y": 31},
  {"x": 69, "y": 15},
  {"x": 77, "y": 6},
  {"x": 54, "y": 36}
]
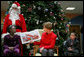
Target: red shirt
[{"x": 47, "y": 40}]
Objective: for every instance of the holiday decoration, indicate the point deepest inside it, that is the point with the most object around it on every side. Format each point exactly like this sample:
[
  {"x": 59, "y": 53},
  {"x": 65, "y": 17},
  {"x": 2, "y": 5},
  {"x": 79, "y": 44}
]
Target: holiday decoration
[
  {"x": 39, "y": 8},
  {"x": 46, "y": 10},
  {"x": 23, "y": 4},
  {"x": 51, "y": 13},
  {"x": 61, "y": 18},
  {"x": 29, "y": 9},
  {"x": 55, "y": 2}
]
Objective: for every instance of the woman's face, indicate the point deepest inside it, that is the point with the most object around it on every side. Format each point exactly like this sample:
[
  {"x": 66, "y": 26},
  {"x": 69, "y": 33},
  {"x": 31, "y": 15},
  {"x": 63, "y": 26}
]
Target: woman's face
[{"x": 45, "y": 29}]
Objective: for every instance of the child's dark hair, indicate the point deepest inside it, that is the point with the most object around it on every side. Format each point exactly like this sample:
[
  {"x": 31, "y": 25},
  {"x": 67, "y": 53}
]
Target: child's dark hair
[
  {"x": 47, "y": 25},
  {"x": 8, "y": 29}
]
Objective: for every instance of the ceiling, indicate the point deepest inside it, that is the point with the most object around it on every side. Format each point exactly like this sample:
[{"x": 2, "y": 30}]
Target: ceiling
[
  {"x": 77, "y": 4},
  {"x": 64, "y": 4}
]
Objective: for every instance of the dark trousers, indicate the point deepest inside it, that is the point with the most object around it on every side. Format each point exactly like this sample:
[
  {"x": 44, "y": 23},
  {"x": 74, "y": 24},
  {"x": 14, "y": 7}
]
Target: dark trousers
[
  {"x": 8, "y": 52},
  {"x": 47, "y": 52},
  {"x": 73, "y": 53}
]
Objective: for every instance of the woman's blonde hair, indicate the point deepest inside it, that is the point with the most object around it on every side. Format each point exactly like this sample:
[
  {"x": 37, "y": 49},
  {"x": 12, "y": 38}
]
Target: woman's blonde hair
[{"x": 47, "y": 25}]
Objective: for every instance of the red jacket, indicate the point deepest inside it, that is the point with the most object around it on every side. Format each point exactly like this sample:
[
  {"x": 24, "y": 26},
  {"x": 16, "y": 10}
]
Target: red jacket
[
  {"x": 21, "y": 23},
  {"x": 47, "y": 40}
]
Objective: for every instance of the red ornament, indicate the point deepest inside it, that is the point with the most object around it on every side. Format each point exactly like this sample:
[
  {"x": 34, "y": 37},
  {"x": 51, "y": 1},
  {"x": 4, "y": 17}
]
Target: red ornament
[
  {"x": 51, "y": 13},
  {"x": 23, "y": 4},
  {"x": 61, "y": 18},
  {"x": 66, "y": 31},
  {"x": 29, "y": 9},
  {"x": 68, "y": 25},
  {"x": 29, "y": 17}
]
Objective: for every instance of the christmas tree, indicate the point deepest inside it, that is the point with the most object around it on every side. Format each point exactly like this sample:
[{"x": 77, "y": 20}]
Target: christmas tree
[{"x": 38, "y": 12}]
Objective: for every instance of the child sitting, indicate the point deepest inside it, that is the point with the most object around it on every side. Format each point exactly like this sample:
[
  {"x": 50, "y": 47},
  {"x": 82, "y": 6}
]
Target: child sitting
[
  {"x": 12, "y": 43},
  {"x": 72, "y": 46},
  {"x": 47, "y": 41}
]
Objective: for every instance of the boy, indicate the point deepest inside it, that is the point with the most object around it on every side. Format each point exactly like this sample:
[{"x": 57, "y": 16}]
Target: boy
[
  {"x": 47, "y": 41},
  {"x": 72, "y": 46}
]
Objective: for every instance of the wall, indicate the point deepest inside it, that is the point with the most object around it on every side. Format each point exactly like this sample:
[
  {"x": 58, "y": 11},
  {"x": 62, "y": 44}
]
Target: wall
[
  {"x": 71, "y": 15},
  {"x": 2, "y": 16}
]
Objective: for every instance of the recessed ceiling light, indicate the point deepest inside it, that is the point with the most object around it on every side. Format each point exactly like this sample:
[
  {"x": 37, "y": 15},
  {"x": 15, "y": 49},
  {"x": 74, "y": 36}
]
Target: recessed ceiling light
[{"x": 70, "y": 8}]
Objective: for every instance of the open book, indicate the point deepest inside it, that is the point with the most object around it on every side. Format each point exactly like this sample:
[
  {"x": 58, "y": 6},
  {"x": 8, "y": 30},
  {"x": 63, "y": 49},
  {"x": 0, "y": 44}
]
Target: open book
[{"x": 34, "y": 35}]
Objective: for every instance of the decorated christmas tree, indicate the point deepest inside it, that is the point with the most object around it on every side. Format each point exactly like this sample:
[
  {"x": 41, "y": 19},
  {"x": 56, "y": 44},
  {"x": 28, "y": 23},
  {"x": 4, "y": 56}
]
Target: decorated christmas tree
[{"x": 38, "y": 12}]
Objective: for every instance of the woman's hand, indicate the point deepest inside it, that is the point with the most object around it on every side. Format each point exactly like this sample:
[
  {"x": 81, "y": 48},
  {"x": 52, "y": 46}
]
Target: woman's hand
[
  {"x": 31, "y": 41},
  {"x": 41, "y": 49}
]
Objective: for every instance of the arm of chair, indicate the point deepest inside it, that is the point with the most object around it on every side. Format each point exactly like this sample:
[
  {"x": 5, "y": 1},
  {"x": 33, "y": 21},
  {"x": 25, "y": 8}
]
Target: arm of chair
[
  {"x": 57, "y": 48},
  {"x": 35, "y": 47}
]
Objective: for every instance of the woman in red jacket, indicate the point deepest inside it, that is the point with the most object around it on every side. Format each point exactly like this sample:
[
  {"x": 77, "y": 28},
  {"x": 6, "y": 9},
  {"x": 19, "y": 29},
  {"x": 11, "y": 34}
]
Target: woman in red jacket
[{"x": 47, "y": 41}]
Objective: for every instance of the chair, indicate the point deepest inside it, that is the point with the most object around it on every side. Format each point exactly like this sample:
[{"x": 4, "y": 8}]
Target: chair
[{"x": 36, "y": 47}]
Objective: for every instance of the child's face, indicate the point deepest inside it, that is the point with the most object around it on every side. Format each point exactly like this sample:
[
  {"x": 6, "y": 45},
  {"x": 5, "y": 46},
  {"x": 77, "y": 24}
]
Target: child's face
[
  {"x": 72, "y": 36},
  {"x": 13, "y": 30}
]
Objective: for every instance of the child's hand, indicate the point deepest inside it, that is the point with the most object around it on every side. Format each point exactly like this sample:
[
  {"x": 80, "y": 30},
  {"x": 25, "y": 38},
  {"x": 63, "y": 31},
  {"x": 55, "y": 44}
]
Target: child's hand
[
  {"x": 11, "y": 48},
  {"x": 70, "y": 49},
  {"x": 41, "y": 49}
]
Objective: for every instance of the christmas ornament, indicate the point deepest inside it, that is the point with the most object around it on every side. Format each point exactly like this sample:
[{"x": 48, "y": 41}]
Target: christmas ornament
[
  {"x": 66, "y": 31},
  {"x": 51, "y": 13},
  {"x": 59, "y": 27},
  {"x": 61, "y": 18},
  {"x": 29, "y": 17},
  {"x": 52, "y": 6},
  {"x": 37, "y": 22},
  {"x": 55, "y": 14},
  {"x": 55, "y": 23},
  {"x": 34, "y": 12},
  {"x": 55, "y": 2},
  {"x": 39, "y": 8},
  {"x": 54, "y": 17},
  {"x": 68, "y": 25},
  {"x": 23, "y": 4},
  {"x": 34, "y": 6},
  {"x": 25, "y": 19},
  {"x": 62, "y": 10},
  {"x": 62, "y": 15},
  {"x": 46, "y": 10},
  {"x": 40, "y": 21},
  {"x": 22, "y": 14},
  {"x": 57, "y": 38},
  {"x": 29, "y": 9},
  {"x": 69, "y": 22},
  {"x": 45, "y": 15}
]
